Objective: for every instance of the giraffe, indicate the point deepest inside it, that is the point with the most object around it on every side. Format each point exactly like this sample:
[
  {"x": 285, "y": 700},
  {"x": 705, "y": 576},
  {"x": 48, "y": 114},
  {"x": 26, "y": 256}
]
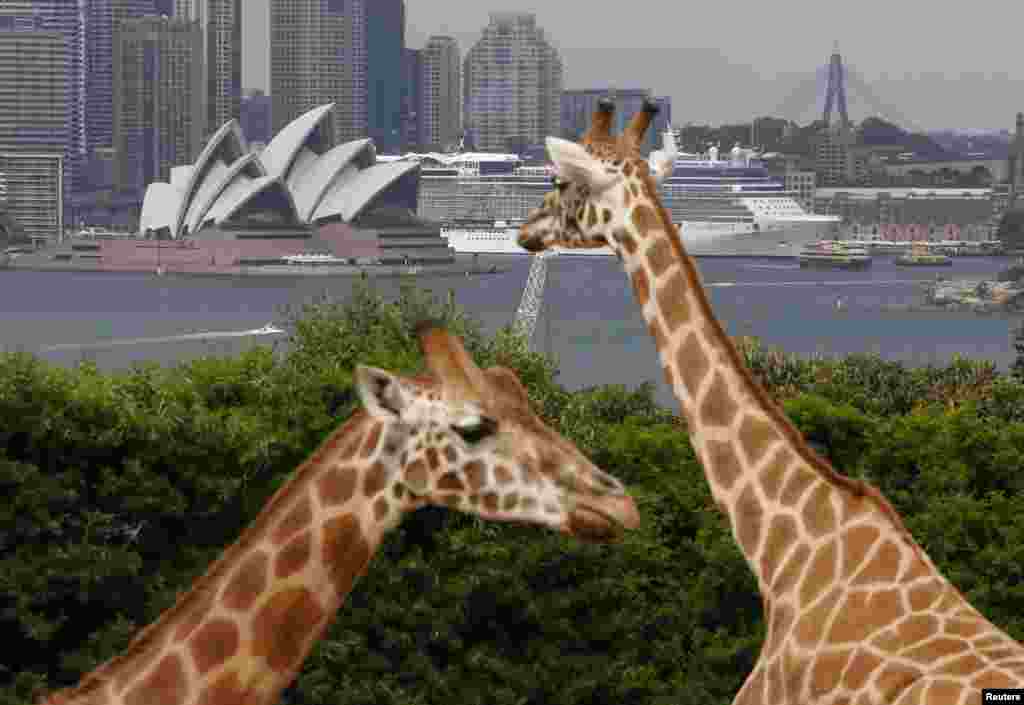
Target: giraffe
[
  {"x": 856, "y": 612},
  {"x": 462, "y": 437}
]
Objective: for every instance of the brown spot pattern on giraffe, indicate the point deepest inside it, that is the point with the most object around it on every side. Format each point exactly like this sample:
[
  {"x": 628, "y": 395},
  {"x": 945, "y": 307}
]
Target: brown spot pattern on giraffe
[
  {"x": 749, "y": 516},
  {"x": 283, "y": 628},
  {"x": 718, "y": 407},
  {"x": 883, "y": 567},
  {"x": 345, "y": 551},
  {"x": 213, "y": 644},
  {"x": 723, "y": 463},
  {"x": 475, "y": 473},
  {"x": 645, "y": 220},
  {"x": 865, "y": 613},
  {"x": 792, "y": 569},
  {"x": 376, "y": 478},
  {"x": 294, "y": 556},
  {"x": 642, "y": 287},
  {"x": 820, "y": 574},
  {"x": 774, "y": 474},
  {"x": 756, "y": 436},
  {"x": 248, "y": 582},
  {"x": 782, "y": 532},
  {"x": 227, "y": 689},
  {"x": 660, "y": 257},
  {"x": 675, "y": 309},
  {"x": 297, "y": 519},
  {"x": 166, "y": 685},
  {"x": 819, "y": 517},
  {"x": 337, "y": 485}
]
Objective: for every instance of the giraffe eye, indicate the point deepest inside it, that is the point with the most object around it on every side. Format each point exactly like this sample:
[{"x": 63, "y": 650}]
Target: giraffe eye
[
  {"x": 475, "y": 428},
  {"x": 558, "y": 183}
]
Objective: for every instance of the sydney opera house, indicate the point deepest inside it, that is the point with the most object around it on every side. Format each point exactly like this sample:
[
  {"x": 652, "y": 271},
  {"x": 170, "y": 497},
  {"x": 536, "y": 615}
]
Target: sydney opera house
[{"x": 300, "y": 195}]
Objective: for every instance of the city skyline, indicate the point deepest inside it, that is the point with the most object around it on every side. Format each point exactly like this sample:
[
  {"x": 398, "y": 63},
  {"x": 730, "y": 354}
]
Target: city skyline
[{"x": 719, "y": 68}]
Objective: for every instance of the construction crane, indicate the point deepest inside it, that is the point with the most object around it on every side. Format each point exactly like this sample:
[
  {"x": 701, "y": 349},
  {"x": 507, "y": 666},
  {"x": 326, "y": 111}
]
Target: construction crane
[{"x": 533, "y": 297}]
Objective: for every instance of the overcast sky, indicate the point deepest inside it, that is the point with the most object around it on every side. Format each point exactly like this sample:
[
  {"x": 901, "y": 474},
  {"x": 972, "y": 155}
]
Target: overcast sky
[{"x": 935, "y": 64}]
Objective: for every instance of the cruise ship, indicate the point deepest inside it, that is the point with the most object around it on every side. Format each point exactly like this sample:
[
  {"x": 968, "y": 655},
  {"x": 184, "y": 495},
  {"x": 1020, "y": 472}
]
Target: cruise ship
[{"x": 723, "y": 206}]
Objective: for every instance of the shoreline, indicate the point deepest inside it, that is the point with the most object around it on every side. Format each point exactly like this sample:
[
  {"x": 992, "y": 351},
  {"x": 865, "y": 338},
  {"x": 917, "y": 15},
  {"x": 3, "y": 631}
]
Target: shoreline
[{"x": 283, "y": 270}]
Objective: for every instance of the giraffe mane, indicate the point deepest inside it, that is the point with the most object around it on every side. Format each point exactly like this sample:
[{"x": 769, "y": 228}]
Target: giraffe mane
[
  {"x": 822, "y": 466},
  {"x": 216, "y": 571}
]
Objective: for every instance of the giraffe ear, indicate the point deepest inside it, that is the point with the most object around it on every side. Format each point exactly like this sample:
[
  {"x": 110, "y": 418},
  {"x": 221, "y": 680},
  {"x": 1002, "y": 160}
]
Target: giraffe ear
[
  {"x": 383, "y": 393},
  {"x": 574, "y": 163}
]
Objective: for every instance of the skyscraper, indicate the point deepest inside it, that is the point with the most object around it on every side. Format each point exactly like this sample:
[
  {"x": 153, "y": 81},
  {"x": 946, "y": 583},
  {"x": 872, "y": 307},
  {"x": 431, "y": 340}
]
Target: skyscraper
[
  {"x": 65, "y": 17},
  {"x": 307, "y": 57},
  {"x": 513, "y": 80},
  {"x": 412, "y": 97},
  {"x": 440, "y": 85},
  {"x": 347, "y": 52},
  {"x": 102, "y": 17},
  {"x": 160, "y": 98},
  {"x": 34, "y": 119},
  {"x": 221, "y": 21},
  {"x": 384, "y": 41}
]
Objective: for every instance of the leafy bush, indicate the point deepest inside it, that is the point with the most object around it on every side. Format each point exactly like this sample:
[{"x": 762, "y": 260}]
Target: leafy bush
[{"x": 121, "y": 488}]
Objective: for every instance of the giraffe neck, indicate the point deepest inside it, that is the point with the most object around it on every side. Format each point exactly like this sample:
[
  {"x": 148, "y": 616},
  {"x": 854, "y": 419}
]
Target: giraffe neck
[
  {"x": 244, "y": 629},
  {"x": 779, "y": 496}
]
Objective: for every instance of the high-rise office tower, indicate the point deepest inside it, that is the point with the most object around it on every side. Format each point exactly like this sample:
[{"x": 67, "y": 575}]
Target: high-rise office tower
[
  {"x": 65, "y": 17},
  {"x": 307, "y": 60},
  {"x": 513, "y": 81},
  {"x": 35, "y": 113},
  {"x": 101, "y": 18},
  {"x": 344, "y": 51},
  {"x": 440, "y": 86},
  {"x": 383, "y": 43},
  {"x": 160, "y": 99},
  {"x": 221, "y": 21},
  {"x": 412, "y": 97}
]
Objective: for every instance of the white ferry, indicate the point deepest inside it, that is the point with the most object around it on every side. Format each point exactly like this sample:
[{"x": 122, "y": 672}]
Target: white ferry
[{"x": 722, "y": 206}]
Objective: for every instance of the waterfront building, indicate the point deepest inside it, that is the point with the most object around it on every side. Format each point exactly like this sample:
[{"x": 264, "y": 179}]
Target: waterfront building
[
  {"x": 578, "y": 105},
  {"x": 221, "y": 23},
  {"x": 441, "y": 94},
  {"x": 160, "y": 115},
  {"x": 302, "y": 194},
  {"x": 308, "y": 59},
  {"x": 918, "y": 212},
  {"x": 35, "y": 115},
  {"x": 512, "y": 78}
]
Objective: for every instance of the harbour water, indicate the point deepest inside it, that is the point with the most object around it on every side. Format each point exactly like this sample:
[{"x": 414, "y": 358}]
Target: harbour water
[{"x": 590, "y": 321}]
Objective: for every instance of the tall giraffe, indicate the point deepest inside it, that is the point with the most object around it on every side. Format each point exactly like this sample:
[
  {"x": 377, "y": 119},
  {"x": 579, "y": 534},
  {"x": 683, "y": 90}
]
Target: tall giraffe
[
  {"x": 464, "y": 438},
  {"x": 856, "y": 612}
]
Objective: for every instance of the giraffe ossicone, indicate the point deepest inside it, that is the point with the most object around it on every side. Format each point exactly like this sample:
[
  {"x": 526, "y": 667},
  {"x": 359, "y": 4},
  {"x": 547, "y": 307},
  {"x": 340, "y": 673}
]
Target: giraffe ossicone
[
  {"x": 856, "y": 611},
  {"x": 460, "y": 437}
]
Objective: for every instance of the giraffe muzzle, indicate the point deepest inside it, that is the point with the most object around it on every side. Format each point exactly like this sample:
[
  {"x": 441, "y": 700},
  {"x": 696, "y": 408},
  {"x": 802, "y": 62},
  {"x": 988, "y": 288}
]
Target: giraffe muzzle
[{"x": 604, "y": 520}]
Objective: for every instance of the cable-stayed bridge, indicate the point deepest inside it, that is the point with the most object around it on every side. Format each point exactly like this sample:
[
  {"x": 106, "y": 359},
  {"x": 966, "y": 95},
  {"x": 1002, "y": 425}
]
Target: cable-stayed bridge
[{"x": 829, "y": 91}]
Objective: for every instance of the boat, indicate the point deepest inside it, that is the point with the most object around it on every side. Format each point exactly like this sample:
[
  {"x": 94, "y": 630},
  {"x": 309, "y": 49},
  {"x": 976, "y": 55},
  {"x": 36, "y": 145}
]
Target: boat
[
  {"x": 920, "y": 256},
  {"x": 313, "y": 258},
  {"x": 269, "y": 329},
  {"x": 729, "y": 206},
  {"x": 833, "y": 254}
]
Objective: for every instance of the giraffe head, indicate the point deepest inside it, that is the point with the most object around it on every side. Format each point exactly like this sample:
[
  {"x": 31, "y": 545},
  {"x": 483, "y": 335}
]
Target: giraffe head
[
  {"x": 467, "y": 439},
  {"x": 598, "y": 182}
]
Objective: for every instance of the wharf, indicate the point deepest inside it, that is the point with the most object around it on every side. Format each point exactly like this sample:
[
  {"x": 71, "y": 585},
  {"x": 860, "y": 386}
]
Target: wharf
[{"x": 463, "y": 265}]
